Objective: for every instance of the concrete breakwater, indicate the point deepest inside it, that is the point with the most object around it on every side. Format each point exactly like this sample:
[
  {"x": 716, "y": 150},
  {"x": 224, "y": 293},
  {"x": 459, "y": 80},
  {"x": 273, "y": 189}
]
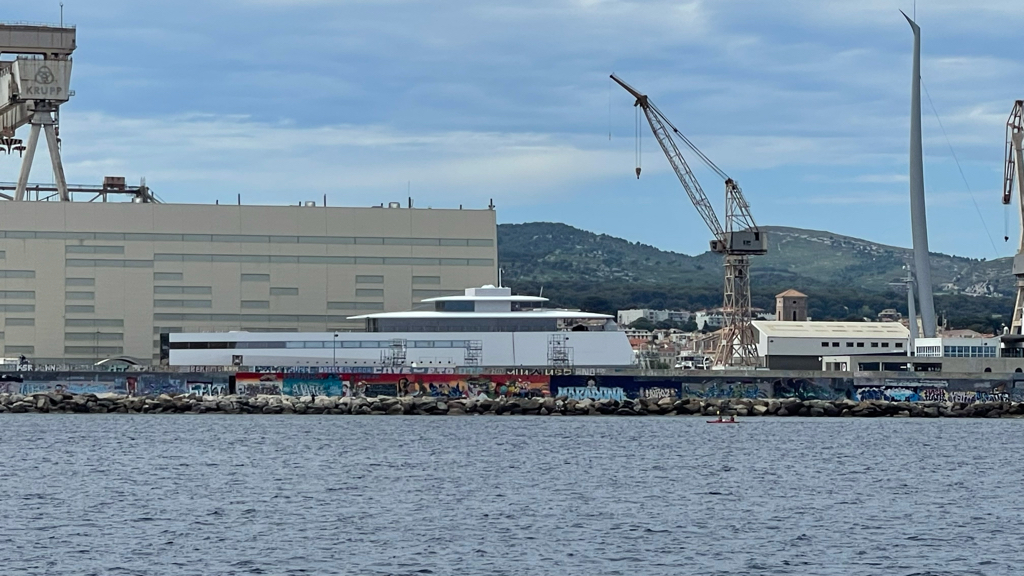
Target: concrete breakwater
[{"x": 53, "y": 402}]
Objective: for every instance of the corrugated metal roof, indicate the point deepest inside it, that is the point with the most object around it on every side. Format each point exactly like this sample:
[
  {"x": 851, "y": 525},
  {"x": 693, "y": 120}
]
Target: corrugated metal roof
[{"x": 831, "y": 329}]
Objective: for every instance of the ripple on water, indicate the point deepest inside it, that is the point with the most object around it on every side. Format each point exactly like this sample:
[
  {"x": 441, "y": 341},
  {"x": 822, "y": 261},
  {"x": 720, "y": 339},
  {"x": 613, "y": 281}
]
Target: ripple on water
[{"x": 117, "y": 494}]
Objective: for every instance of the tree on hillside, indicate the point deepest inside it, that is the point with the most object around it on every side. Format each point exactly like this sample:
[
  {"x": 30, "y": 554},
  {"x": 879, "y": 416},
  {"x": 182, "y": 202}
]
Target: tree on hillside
[{"x": 642, "y": 324}]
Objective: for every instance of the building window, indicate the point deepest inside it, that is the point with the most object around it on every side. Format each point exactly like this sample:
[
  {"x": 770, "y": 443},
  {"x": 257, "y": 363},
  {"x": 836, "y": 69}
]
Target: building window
[
  {"x": 849, "y": 344},
  {"x": 899, "y": 344},
  {"x": 79, "y": 295},
  {"x": 874, "y": 344},
  {"x": 860, "y": 344},
  {"x": 168, "y": 276},
  {"x": 369, "y": 279},
  {"x": 824, "y": 344},
  {"x": 255, "y": 277},
  {"x": 255, "y": 304},
  {"x": 835, "y": 344},
  {"x": 18, "y": 274},
  {"x": 370, "y": 292},
  {"x": 885, "y": 344},
  {"x": 284, "y": 291}
]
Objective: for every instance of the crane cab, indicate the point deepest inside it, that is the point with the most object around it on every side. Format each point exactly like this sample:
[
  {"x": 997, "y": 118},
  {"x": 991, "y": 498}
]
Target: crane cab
[{"x": 751, "y": 242}]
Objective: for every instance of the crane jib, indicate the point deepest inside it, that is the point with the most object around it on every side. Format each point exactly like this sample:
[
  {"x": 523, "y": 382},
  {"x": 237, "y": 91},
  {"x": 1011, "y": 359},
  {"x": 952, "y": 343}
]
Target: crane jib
[{"x": 738, "y": 239}]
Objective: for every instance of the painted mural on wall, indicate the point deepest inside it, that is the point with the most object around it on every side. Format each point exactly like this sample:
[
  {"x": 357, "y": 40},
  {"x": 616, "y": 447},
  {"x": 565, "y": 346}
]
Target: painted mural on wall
[
  {"x": 515, "y": 384},
  {"x": 148, "y": 384},
  {"x": 457, "y": 386},
  {"x": 726, "y": 389},
  {"x": 807, "y": 388},
  {"x": 252, "y": 384},
  {"x": 930, "y": 394},
  {"x": 366, "y": 384},
  {"x": 618, "y": 387},
  {"x": 314, "y": 385}
]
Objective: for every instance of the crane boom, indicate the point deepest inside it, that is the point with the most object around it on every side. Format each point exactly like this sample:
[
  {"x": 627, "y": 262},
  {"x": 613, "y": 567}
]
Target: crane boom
[
  {"x": 659, "y": 126},
  {"x": 737, "y": 240},
  {"x": 1015, "y": 163}
]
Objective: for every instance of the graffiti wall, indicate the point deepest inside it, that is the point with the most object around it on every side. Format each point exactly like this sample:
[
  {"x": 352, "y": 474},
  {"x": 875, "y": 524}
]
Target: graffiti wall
[
  {"x": 314, "y": 385},
  {"x": 149, "y": 384},
  {"x": 452, "y": 386},
  {"x": 810, "y": 388},
  {"x": 930, "y": 394},
  {"x": 618, "y": 387},
  {"x": 531, "y": 384},
  {"x": 248, "y": 384}
]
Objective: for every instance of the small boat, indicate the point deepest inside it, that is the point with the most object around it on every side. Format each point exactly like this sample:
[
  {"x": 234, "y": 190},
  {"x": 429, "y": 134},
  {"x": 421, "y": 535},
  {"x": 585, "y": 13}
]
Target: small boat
[{"x": 722, "y": 421}]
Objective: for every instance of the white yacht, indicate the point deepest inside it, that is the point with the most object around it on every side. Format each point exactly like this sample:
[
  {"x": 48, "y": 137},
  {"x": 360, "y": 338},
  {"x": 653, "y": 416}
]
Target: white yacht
[{"x": 485, "y": 327}]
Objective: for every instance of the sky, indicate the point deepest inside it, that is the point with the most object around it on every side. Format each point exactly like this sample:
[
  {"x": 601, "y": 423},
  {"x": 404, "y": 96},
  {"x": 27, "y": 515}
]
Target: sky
[{"x": 804, "y": 102}]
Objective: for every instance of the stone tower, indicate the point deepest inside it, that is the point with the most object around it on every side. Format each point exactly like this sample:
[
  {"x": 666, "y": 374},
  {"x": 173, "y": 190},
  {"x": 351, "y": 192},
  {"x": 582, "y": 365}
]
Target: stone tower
[{"x": 791, "y": 306}]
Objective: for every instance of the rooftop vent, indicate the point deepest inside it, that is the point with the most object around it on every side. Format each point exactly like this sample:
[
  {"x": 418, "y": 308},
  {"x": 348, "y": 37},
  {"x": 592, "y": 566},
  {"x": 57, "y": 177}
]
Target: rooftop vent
[
  {"x": 309, "y": 203},
  {"x": 394, "y": 204}
]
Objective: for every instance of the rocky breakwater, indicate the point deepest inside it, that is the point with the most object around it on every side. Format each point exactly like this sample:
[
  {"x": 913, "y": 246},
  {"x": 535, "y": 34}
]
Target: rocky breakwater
[{"x": 54, "y": 402}]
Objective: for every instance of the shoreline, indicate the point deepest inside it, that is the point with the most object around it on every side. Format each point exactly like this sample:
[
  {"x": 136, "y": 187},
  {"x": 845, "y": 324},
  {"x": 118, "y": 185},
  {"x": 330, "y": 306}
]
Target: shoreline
[{"x": 63, "y": 403}]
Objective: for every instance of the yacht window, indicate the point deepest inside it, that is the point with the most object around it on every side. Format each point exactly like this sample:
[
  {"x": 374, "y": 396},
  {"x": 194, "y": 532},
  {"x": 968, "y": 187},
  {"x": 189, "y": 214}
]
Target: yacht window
[{"x": 455, "y": 306}]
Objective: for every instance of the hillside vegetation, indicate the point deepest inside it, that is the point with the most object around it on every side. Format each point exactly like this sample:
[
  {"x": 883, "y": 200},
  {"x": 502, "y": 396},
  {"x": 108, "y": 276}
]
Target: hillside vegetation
[{"x": 844, "y": 277}]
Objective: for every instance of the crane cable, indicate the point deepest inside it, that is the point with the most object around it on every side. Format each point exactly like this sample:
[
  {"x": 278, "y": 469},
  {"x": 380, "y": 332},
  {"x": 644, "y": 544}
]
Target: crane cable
[
  {"x": 707, "y": 161},
  {"x": 637, "y": 132},
  {"x": 964, "y": 177}
]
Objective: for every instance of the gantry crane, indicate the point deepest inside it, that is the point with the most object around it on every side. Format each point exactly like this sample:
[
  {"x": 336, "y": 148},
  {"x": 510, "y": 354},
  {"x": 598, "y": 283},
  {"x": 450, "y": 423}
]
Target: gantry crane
[
  {"x": 739, "y": 239},
  {"x": 1015, "y": 163}
]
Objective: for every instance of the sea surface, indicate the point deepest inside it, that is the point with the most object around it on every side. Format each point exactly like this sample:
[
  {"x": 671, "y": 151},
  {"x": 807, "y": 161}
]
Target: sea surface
[{"x": 218, "y": 494}]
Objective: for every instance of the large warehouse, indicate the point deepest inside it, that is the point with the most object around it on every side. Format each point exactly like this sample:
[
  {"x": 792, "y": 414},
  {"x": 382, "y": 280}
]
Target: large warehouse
[{"x": 86, "y": 281}]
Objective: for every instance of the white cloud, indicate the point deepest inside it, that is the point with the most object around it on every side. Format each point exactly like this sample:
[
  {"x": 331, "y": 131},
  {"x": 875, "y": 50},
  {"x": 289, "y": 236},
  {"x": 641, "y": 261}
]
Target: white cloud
[{"x": 190, "y": 157}]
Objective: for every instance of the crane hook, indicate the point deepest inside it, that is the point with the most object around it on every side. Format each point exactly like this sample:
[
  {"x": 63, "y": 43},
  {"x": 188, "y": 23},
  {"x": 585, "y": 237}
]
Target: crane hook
[{"x": 637, "y": 172}]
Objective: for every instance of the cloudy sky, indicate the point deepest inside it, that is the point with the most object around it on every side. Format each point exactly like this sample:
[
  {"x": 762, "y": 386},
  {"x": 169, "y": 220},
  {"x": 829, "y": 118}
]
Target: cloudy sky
[{"x": 804, "y": 102}]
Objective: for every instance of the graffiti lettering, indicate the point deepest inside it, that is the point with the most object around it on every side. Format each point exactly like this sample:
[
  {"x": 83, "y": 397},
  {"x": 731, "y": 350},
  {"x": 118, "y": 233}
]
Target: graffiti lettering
[
  {"x": 716, "y": 390},
  {"x": 655, "y": 392},
  {"x": 887, "y": 394},
  {"x": 592, "y": 393},
  {"x": 207, "y": 388},
  {"x": 802, "y": 389}
]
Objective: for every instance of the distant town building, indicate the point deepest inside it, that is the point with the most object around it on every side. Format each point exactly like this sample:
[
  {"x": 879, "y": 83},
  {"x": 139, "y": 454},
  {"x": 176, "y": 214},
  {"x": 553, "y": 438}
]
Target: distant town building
[
  {"x": 889, "y": 315},
  {"x": 627, "y": 317},
  {"x": 966, "y": 346},
  {"x": 637, "y": 334},
  {"x": 715, "y": 319},
  {"x": 791, "y": 306}
]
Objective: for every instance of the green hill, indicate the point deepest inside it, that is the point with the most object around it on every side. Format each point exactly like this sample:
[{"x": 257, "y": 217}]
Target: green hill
[{"x": 843, "y": 276}]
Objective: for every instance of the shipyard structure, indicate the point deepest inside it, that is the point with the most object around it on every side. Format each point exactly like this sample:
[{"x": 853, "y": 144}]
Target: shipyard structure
[{"x": 86, "y": 281}]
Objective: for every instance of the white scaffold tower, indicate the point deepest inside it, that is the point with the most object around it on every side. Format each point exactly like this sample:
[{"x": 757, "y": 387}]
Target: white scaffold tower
[{"x": 32, "y": 88}]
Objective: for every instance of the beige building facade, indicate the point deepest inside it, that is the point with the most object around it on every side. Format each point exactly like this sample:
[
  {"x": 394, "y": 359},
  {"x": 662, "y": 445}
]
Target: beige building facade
[{"x": 83, "y": 281}]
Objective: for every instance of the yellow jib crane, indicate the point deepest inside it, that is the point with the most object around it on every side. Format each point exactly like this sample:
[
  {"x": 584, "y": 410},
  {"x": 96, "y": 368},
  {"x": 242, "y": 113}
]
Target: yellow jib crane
[
  {"x": 1015, "y": 158},
  {"x": 739, "y": 239}
]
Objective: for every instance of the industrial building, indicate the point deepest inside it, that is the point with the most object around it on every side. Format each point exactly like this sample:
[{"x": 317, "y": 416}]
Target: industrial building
[
  {"x": 85, "y": 281},
  {"x": 802, "y": 345}
]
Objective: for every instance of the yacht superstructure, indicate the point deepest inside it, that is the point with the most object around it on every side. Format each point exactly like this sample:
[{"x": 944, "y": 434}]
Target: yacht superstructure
[{"x": 485, "y": 327}]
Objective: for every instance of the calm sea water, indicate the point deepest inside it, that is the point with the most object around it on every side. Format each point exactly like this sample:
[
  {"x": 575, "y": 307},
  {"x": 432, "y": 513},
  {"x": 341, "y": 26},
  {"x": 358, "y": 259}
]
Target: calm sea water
[{"x": 155, "y": 495}]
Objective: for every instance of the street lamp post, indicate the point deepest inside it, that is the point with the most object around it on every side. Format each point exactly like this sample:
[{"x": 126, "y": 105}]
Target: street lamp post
[{"x": 334, "y": 352}]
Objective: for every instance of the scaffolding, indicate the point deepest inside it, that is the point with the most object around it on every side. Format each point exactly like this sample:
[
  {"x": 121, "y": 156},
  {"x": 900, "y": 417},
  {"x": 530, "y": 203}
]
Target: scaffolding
[
  {"x": 474, "y": 353},
  {"x": 560, "y": 354}
]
